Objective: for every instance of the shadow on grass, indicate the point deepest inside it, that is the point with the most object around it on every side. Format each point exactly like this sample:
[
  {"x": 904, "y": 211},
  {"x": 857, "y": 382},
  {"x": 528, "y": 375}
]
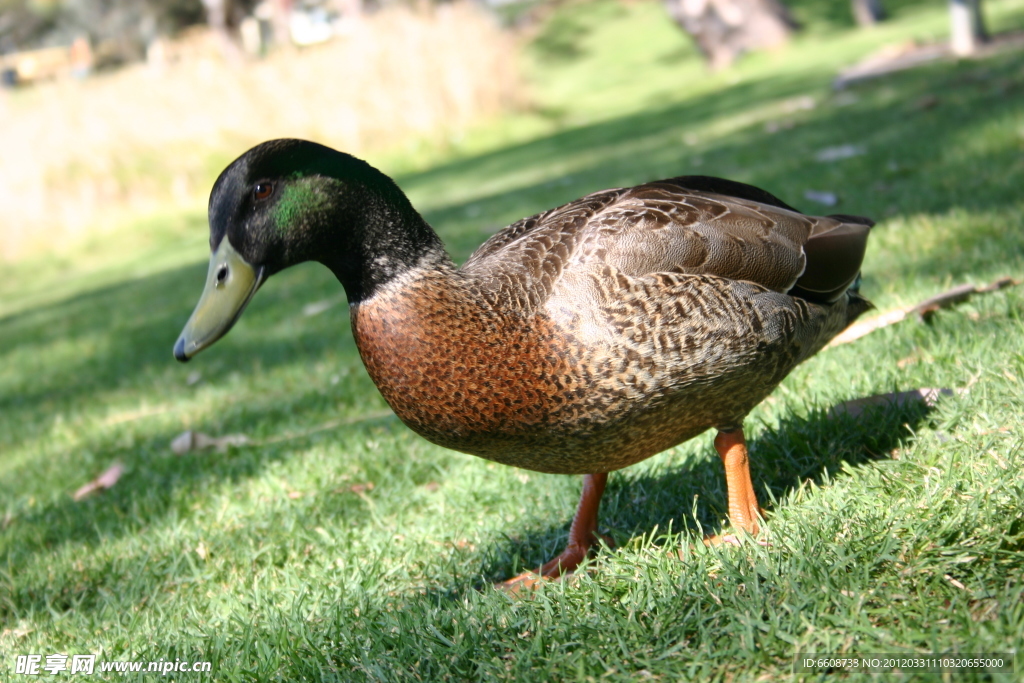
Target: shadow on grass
[
  {"x": 146, "y": 495},
  {"x": 783, "y": 459}
]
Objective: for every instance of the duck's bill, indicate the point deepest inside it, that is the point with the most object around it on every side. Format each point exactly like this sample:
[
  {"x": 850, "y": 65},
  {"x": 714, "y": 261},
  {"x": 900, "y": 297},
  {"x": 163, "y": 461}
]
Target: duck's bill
[{"x": 230, "y": 284}]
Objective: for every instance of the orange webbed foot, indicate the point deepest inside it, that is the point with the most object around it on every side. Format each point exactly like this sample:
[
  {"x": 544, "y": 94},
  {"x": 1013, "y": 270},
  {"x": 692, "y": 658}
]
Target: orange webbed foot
[
  {"x": 582, "y": 538},
  {"x": 744, "y": 512},
  {"x": 561, "y": 567}
]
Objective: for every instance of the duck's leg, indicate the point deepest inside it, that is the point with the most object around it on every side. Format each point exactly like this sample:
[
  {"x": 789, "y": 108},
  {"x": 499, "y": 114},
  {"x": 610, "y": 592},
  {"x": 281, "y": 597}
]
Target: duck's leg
[
  {"x": 743, "y": 507},
  {"x": 582, "y": 537}
]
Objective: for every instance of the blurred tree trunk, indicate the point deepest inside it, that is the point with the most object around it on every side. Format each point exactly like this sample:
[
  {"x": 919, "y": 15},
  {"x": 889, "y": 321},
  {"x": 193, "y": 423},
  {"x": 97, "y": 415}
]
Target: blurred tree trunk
[
  {"x": 281, "y": 15},
  {"x": 217, "y": 16},
  {"x": 967, "y": 26},
  {"x": 868, "y": 12},
  {"x": 725, "y": 29}
]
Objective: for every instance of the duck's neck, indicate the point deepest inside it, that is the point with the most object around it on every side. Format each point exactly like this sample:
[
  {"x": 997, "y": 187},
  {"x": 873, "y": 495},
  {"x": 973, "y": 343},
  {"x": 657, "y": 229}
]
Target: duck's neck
[{"x": 376, "y": 236}]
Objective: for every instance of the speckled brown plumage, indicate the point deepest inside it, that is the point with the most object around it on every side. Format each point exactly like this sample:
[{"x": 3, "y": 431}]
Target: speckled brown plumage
[
  {"x": 597, "y": 334},
  {"x": 580, "y": 340}
]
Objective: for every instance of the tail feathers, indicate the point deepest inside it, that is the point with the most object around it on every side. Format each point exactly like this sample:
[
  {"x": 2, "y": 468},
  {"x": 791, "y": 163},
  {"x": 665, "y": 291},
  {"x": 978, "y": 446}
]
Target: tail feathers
[{"x": 833, "y": 260}]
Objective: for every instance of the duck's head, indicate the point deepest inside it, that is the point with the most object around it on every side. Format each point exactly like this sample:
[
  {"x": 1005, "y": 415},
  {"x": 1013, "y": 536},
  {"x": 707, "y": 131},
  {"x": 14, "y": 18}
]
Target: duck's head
[{"x": 288, "y": 201}]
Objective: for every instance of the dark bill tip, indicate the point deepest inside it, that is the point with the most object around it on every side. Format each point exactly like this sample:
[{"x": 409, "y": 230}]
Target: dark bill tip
[{"x": 179, "y": 350}]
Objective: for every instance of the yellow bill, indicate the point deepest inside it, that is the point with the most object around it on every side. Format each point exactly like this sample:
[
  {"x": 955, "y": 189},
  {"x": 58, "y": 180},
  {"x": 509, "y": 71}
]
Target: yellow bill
[{"x": 230, "y": 284}]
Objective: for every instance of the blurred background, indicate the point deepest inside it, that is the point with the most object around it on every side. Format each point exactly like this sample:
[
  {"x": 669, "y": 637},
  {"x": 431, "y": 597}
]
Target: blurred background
[
  {"x": 111, "y": 109},
  {"x": 126, "y": 104}
]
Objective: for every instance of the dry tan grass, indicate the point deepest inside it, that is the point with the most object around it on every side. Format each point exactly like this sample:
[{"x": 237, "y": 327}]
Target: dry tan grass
[{"x": 75, "y": 153}]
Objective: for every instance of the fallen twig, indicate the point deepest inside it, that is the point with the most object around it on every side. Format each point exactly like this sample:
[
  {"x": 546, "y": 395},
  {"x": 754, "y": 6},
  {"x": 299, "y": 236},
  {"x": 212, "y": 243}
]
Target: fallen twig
[
  {"x": 102, "y": 482},
  {"x": 923, "y": 310}
]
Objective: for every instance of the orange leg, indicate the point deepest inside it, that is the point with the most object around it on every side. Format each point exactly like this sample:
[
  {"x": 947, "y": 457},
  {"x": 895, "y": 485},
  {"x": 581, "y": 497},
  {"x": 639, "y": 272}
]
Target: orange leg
[
  {"x": 582, "y": 537},
  {"x": 743, "y": 507}
]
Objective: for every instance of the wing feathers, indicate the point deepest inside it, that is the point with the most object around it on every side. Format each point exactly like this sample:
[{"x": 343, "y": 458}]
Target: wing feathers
[{"x": 691, "y": 224}]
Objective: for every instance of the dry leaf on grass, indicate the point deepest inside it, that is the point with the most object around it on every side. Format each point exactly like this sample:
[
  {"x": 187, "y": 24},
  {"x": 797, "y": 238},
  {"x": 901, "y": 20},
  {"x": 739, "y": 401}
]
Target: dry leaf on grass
[
  {"x": 15, "y": 633},
  {"x": 839, "y": 153},
  {"x": 104, "y": 481},
  {"x": 923, "y": 310},
  {"x": 317, "y": 307},
  {"x": 197, "y": 441},
  {"x": 955, "y": 582},
  {"x": 826, "y": 198}
]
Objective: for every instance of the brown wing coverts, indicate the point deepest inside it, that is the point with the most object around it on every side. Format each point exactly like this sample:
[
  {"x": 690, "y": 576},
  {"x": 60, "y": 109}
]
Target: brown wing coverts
[{"x": 692, "y": 225}]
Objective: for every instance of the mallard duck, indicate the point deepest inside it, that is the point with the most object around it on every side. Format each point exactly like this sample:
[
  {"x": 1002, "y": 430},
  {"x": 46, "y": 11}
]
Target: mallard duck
[{"x": 580, "y": 340}]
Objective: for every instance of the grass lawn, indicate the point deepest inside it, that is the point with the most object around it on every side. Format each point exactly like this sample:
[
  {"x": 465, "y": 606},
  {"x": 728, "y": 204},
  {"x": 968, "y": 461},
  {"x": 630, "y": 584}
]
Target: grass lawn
[{"x": 337, "y": 545}]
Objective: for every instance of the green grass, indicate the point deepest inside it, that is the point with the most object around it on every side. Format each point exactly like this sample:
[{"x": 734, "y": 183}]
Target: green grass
[{"x": 902, "y": 531}]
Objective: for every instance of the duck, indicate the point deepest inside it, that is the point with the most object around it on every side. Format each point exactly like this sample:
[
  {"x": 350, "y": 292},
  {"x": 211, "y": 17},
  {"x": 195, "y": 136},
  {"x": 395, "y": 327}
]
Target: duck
[{"x": 580, "y": 340}]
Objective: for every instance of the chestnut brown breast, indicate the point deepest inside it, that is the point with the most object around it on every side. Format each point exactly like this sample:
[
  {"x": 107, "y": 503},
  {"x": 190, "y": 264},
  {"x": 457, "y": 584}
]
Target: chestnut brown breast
[{"x": 466, "y": 376}]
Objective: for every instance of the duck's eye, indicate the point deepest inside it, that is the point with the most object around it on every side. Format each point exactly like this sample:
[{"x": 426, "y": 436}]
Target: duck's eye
[{"x": 263, "y": 190}]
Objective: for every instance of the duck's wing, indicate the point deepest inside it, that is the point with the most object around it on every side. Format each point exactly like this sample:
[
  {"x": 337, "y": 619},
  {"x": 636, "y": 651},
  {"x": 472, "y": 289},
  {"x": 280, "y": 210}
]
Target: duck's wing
[
  {"x": 519, "y": 265},
  {"x": 692, "y": 224},
  {"x": 708, "y": 226}
]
